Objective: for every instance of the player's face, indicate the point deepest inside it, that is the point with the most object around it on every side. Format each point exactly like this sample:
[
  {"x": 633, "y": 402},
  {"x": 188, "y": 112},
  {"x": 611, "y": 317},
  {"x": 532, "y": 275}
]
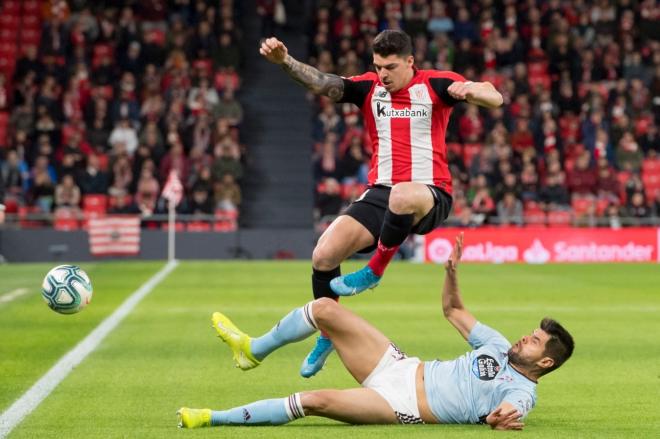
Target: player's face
[
  {"x": 394, "y": 71},
  {"x": 530, "y": 349}
]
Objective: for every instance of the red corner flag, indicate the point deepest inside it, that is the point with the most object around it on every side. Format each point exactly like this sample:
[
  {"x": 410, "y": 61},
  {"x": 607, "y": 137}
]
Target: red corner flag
[{"x": 173, "y": 189}]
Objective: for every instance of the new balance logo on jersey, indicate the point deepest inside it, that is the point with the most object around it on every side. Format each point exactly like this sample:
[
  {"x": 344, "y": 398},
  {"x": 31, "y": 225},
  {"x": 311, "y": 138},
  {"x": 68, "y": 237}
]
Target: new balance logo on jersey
[{"x": 385, "y": 111}]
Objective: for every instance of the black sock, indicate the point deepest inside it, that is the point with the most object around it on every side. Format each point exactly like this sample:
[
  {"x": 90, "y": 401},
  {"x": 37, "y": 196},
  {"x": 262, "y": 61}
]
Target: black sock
[
  {"x": 395, "y": 228},
  {"x": 321, "y": 282}
]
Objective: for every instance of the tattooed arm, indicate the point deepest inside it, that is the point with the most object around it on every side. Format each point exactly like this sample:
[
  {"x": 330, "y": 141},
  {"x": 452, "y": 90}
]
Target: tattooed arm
[{"x": 315, "y": 81}]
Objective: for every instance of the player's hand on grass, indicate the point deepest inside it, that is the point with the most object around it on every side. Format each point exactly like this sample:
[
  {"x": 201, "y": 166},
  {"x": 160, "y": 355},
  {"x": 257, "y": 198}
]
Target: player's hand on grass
[
  {"x": 273, "y": 50},
  {"x": 456, "y": 253},
  {"x": 499, "y": 420}
]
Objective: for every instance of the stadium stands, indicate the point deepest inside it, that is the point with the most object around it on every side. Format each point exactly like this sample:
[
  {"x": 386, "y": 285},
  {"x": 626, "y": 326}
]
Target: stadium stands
[
  {"x": 105, "y": 92},
  {"x": 581, "y": 83}
]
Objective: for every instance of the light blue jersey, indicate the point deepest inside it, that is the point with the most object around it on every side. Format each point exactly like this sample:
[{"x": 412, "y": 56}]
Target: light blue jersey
[{"x": 467, "y": 389}]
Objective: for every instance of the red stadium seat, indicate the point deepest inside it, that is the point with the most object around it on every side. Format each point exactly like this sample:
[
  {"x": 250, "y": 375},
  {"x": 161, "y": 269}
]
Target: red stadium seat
[
  {"x": 30, "y": 37},
  {"x": 11, "y": 7},
  {"x": 29, "y": 223},
  {"x": 32, "y": 7},
  {"x": 559, "y": 218},
  {"x": 9, "y": 22},
  {"x": 66, "y": 219},
  {"x": 469, "y": 151},
  {"x": 651, "y": 166},
  {"x": 582, "y": 205},
  {"x": 95, "y": 203},
  {"x": 456, "y": 148},
  {"x": 30, "y": 22},
  {"x": 534, "y": 217},
  {"x": 198, "y": 226},
  {"x": 225, "y": 220},
  {"x": 178, "y": 226}
]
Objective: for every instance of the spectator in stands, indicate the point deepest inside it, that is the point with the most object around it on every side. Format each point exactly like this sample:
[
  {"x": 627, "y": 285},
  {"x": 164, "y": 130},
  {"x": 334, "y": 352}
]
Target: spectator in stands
[
  {"x": 612, "y": 216},
  {"x": 226, "y": 162},
  {"x": 553, "y": 195},
  {"x": 93, "y": 180},
  {"x": 42, "y": 184},
  {"x": 636, "y": 210},
  {"x": 201, "y": 202},
  {"x": 480, "y": 201},
  {"x": 122, "y": 176},
  {"x": 629, "y": 155},
  {"x": 329, "y": 199},
  {"x": 582, "y": 179},
  {"x": 509, "y": 210},
  {"x": 226, "y": 193},
  {"x": 175, "y": 159},
  {"x": 122, "y": 205},
  {"x": 12, "y": 174},
  {"x": 123, "y": 138},
  {"x": 229, "y": 108},
  {"x": 352, "y": 166},
  {"x": 147, "y": 192},
  {"x": 67, "y": 193},
  {"x": 608, "y": 186},
  {"x": 326, "y": 166},
  {"x": 655, "y": 206}
]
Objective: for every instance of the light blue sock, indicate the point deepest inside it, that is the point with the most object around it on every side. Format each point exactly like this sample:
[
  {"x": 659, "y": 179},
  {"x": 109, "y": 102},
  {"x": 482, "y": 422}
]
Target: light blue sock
[
  {"x": 264, "y": 412},
  {"x": 295, "y": 326}
]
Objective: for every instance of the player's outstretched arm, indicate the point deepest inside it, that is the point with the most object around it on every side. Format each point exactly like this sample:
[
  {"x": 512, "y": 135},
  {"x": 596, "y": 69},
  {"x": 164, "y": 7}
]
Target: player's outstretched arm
[
  {"x": 314, "y": 80},
  {"x": 452, "y": 304},
  {"x": 483, "y": 94}
]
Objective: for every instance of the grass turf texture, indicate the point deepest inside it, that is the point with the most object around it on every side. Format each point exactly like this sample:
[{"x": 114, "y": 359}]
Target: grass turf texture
[{"x": 164, "y": 355}]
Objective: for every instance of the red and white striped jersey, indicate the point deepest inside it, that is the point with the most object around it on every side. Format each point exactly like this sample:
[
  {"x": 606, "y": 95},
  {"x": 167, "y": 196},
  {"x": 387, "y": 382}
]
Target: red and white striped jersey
[{"x": 407, "y": 128}]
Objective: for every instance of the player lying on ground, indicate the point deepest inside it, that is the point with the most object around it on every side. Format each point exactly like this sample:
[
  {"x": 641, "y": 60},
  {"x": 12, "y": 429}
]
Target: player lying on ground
[
  {"x": 405, "y": 112},
  {"x": 494, "y": 384}
]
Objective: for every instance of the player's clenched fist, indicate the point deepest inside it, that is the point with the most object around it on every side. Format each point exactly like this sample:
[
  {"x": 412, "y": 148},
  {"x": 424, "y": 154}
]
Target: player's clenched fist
[
  {"x": 273, "y": 50},
  {"x": 460, "y": 90}
]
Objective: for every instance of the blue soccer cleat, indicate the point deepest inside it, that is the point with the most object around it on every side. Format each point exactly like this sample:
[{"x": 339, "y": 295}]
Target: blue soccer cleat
[
  {"x": 316, "y": 359},
  {"x": 355, "y": 283}
]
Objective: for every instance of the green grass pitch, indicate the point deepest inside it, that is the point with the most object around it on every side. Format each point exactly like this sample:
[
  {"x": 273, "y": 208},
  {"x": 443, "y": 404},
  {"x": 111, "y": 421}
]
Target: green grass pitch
[{"x": 165, "y": 355}]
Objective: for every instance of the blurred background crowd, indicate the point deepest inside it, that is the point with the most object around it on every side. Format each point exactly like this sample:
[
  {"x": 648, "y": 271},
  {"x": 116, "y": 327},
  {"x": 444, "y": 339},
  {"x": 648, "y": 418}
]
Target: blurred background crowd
[{"x": 99, "y": 100}]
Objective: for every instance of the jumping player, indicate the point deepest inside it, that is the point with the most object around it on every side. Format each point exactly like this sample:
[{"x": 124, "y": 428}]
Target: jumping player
[{"x": 406, "y": 111}]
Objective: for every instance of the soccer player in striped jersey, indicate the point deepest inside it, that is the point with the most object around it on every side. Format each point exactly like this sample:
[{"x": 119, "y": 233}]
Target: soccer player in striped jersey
[
  {"x": 494, "y": 383},
  {"x": 405, "y": 111}
]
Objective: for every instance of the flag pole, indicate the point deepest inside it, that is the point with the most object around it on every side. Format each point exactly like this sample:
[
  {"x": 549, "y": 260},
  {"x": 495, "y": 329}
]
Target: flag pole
[{"x": 170, "y": 231}]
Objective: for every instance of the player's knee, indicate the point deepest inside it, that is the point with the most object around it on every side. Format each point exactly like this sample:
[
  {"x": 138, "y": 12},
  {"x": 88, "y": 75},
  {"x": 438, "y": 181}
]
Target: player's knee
[
  {"x": 324, "y": 310},
  {"x": 315, "y": 403},
  {"x": 400, "y": 200},
  {"x": 323, "y": 258}
]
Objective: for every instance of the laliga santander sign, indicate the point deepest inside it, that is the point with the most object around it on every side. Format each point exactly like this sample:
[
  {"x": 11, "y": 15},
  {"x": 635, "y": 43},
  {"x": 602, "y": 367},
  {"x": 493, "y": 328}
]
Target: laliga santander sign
[{"x": 539, "y": 246}]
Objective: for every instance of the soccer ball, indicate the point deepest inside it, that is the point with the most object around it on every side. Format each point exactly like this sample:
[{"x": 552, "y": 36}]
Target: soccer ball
[{"x": 67, "y": 289}]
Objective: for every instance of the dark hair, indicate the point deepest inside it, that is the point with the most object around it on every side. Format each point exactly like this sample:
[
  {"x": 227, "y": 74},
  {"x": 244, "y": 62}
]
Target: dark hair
[
  {"x": 392, "y": 42},
  {"x": 560, "y": 345}
]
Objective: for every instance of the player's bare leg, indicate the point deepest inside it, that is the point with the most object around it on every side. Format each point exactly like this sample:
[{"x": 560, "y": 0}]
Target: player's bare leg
[
  {"x": 344, "y": 237},
  {"x": 408, "y": 204}
]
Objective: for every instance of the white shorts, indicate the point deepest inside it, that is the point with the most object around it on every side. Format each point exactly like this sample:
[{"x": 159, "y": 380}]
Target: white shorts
[{"x": 394, "y": 379}]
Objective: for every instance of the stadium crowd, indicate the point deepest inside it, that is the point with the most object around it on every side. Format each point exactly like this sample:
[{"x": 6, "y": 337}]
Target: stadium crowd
[
  {"x": 99, "y": 101},
  {"x": 576, "y": 141}
]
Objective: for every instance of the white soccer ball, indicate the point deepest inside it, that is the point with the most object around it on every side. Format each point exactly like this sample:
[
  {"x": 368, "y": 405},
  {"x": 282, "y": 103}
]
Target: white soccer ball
[{"x": 67, "y": 289}]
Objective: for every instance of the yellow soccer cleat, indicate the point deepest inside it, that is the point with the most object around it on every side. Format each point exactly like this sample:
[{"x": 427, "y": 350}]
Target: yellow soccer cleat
[
  {"x": 238, "y": 341},
  {"x": 193, "y": 418}
]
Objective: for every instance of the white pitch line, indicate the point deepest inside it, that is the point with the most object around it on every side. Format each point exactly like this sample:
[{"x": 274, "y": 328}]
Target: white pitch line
[
  {"x": 46, "y": 384},
  {"x": 18, "y": 292}
]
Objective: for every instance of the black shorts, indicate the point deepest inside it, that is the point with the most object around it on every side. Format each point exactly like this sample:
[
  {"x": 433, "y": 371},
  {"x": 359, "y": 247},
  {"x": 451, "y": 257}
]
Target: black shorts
[{"x": 369, "y": 210}]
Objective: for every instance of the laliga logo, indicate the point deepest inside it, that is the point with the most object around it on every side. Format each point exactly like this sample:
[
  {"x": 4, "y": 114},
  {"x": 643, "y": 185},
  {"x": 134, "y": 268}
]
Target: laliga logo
[
  {"x": 536, "y": 254},
  {"x": 439, "y": 250}
]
